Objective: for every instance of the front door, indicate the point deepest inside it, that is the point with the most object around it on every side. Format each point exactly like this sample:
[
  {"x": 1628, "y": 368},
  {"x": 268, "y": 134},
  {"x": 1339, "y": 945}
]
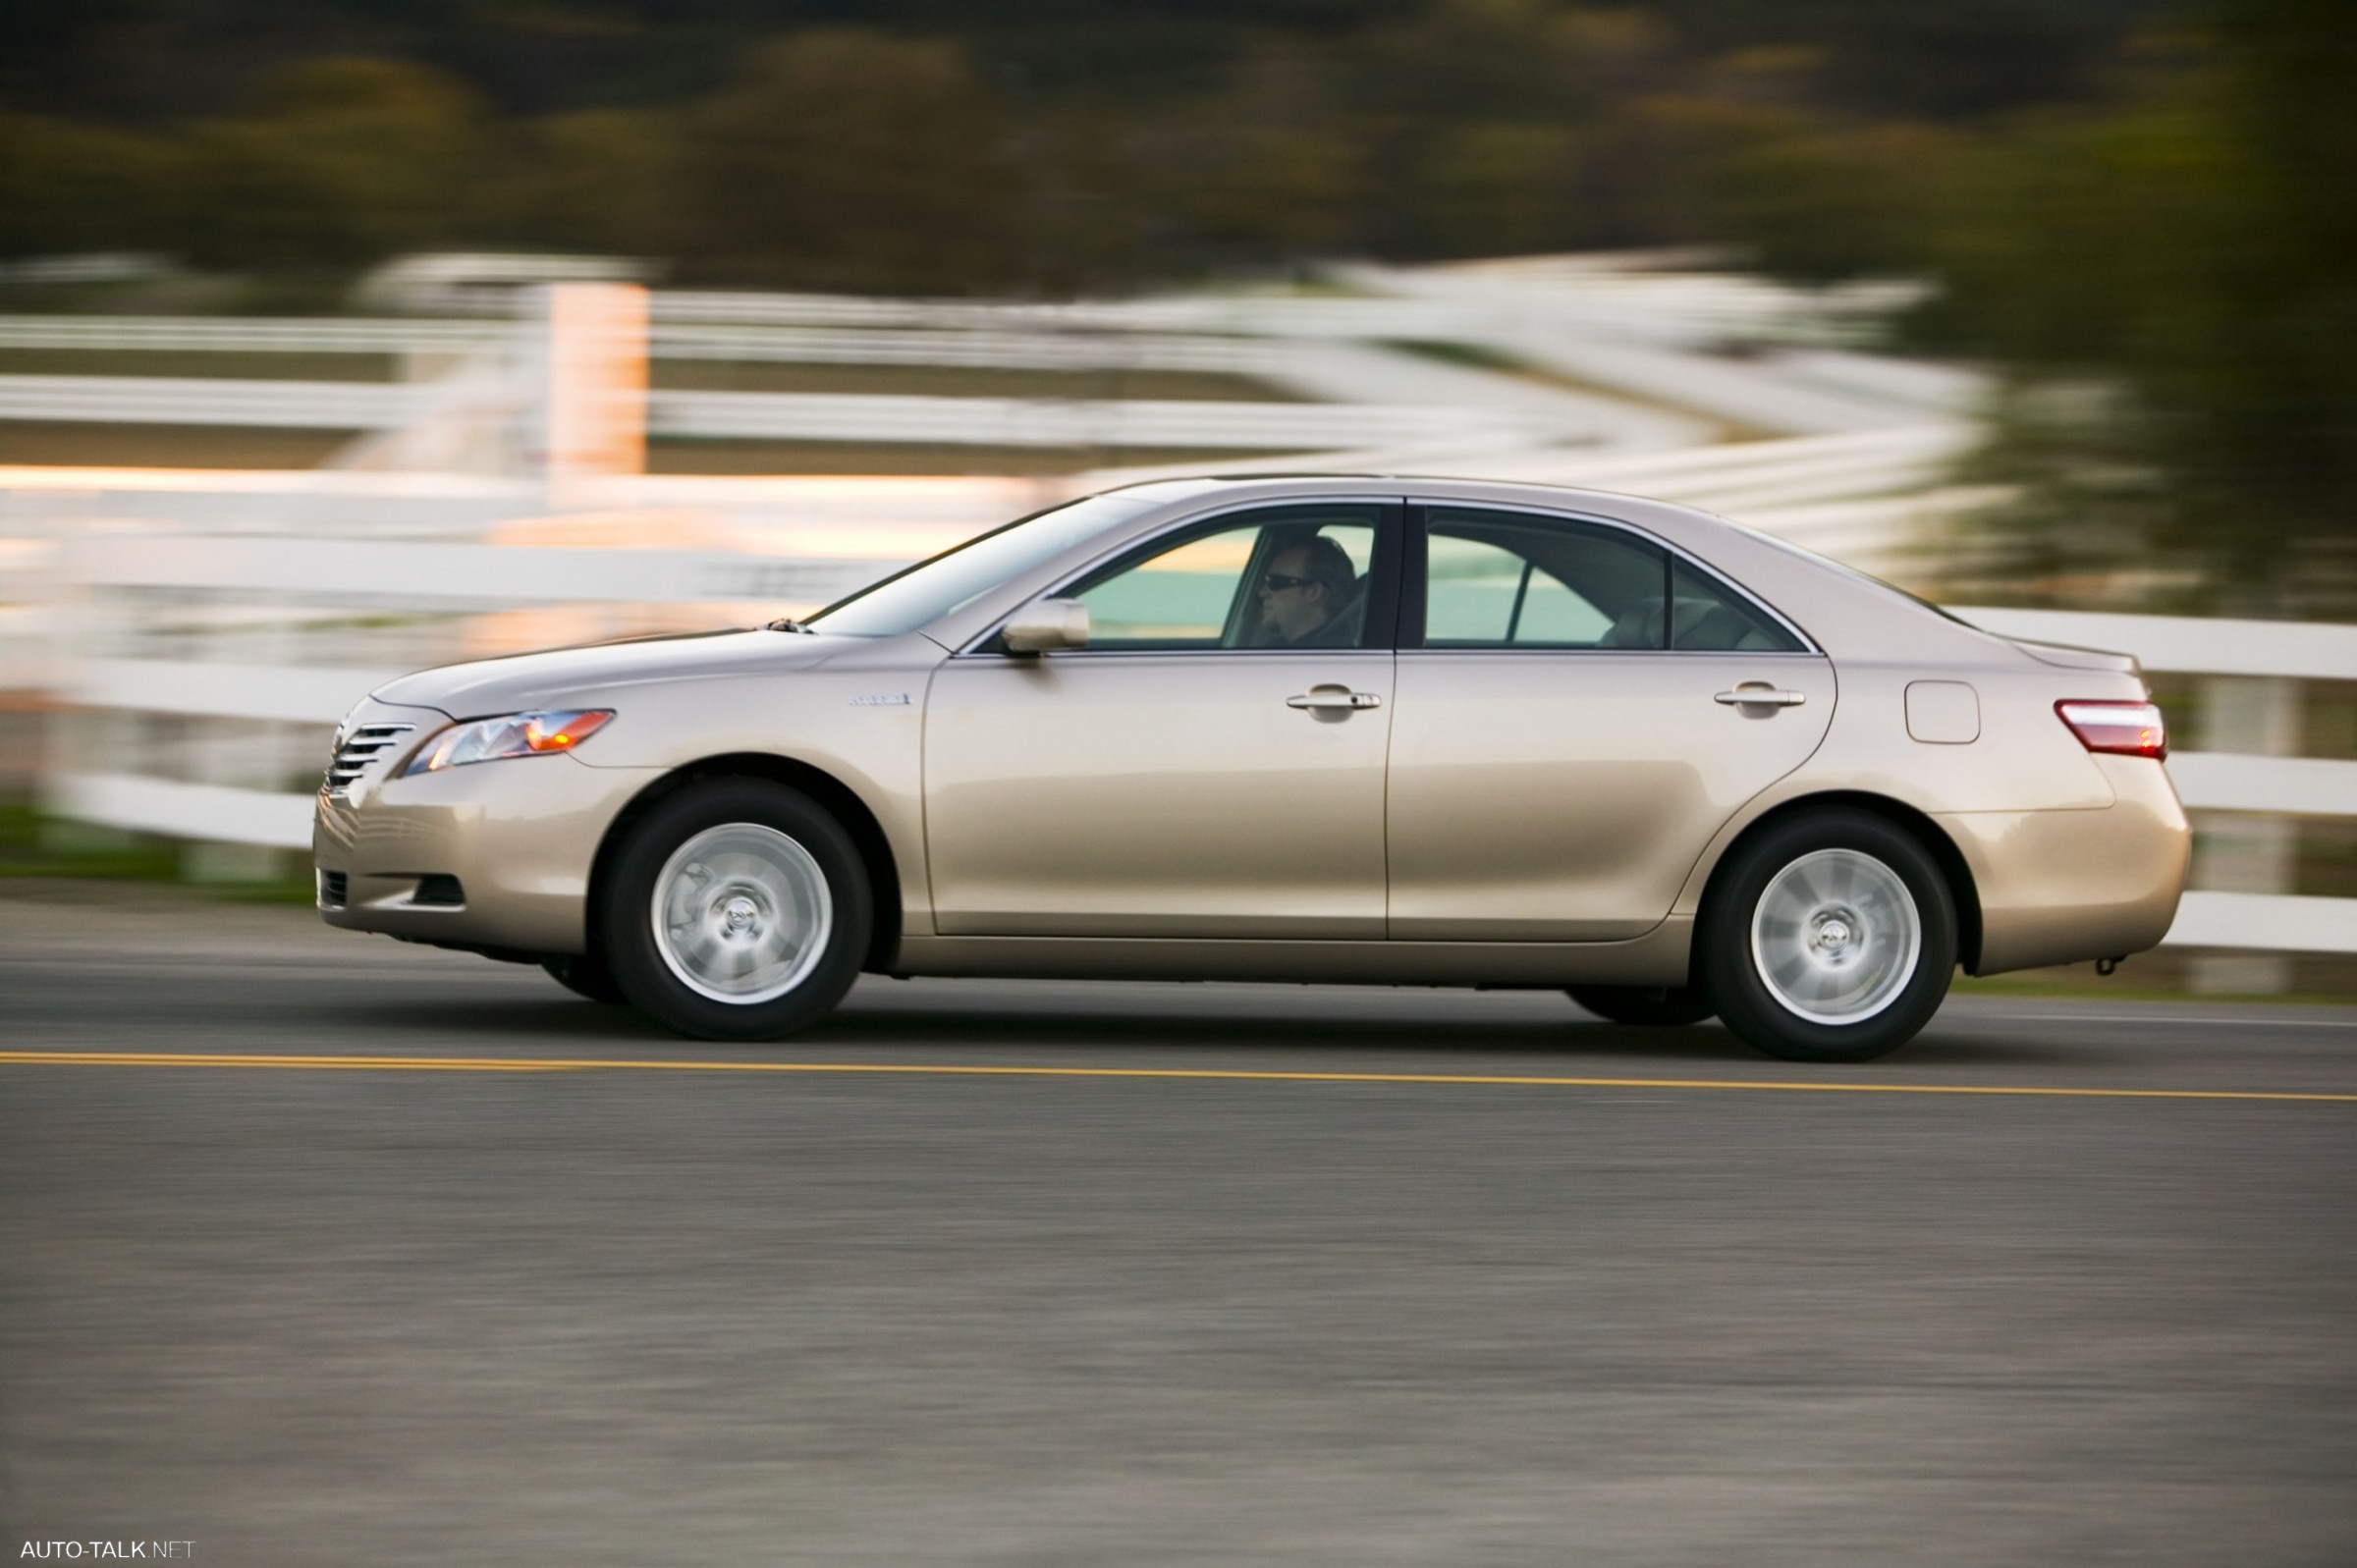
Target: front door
[
  {"x": 1560, "y": 755},
  {"x": 1210, "y": 765}
]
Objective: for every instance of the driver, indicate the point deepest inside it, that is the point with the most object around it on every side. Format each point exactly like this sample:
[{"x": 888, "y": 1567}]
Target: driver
[{"x": 1303, "y": 593}]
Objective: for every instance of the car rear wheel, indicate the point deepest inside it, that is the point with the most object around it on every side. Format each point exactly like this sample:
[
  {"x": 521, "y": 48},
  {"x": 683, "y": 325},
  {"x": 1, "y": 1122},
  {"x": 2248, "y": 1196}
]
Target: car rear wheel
[
  {"x": 737, "y": 910},
  {"x": 1830, "y": 937},
  {"x": 1652, "y": 1006}
]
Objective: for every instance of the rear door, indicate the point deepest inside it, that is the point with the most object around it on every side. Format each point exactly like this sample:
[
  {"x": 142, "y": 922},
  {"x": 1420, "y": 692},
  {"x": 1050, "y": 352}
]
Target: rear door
[{"x": 1566, "y": 738}]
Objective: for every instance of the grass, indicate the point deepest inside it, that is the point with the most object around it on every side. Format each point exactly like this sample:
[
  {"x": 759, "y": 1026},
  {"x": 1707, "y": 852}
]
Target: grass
[
  {"x": 1470, "y": 356},
  {"x": 93, "y": 444},
  {"x": 689, "y": 375},
  {"x": 1481, "y": 356},
  {"x": 887, "y": 457},
  {"x": 66, "y": 443},
  {"x": 35, "y": 846},
  {"x": 44, "y": 443},
  {"x": 960, "y": 381},
  {"x": 201, "y": 364}
]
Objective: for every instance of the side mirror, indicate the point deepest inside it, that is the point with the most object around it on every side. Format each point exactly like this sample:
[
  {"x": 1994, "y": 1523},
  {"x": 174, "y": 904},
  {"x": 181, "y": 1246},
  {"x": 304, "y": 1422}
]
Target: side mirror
[{"x": 1046, "y": 625}]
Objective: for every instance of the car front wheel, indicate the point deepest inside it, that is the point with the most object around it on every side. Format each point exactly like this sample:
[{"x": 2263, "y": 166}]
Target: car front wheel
[
  {"x": 1830, "y": 937},
  {"x": 738, "y": 909}
]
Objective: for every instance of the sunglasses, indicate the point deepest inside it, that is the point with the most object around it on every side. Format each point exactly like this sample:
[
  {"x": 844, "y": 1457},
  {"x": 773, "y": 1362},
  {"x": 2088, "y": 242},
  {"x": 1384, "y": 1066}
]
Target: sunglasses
[{"x": 1278, "y": 581}]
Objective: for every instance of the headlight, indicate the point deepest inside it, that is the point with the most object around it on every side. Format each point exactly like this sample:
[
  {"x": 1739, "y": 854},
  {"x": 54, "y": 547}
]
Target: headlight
[{"x": 513, "y": 734}]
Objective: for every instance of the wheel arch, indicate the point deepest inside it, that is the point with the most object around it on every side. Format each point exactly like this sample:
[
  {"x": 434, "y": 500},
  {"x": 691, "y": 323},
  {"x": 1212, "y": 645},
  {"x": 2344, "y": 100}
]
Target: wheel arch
[
  {"x": 840, "y": 798},
  {"x": 1917, "y": 825}
]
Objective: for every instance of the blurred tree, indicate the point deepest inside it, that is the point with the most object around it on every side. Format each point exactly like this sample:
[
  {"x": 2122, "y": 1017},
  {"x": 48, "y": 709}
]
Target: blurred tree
[
  {"x": 336, "y": 162},
  {"x": 1033, "y": 144},
  {"x": 600, "y": 180},
  {"x": 1490, "y": 189},
  {"x": 2196, "y": 252},
  {"x": 1269, "y": 170},
  {"x": 66, "y": 187},
  {"x": 1085, "y": 230},
  {"x": 1520, "y": 61},
  {"x": 1646, "y": 171},
  {"x": 848, "y": 160},
  {"x": 1477, "y": 119},
  {"x": 1827, "y": 201}
]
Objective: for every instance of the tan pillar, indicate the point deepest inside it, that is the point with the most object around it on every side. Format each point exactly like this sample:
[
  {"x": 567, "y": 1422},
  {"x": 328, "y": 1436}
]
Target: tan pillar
[{"x": 594, "y": 424}]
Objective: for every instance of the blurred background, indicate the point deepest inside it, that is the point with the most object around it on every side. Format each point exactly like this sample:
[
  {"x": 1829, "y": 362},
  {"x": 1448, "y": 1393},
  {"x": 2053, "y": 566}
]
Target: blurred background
[{"x": 340, "y": 338}]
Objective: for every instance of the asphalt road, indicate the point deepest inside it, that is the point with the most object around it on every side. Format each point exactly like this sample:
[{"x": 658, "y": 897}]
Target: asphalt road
[{"x": 1335, "y": 1277}]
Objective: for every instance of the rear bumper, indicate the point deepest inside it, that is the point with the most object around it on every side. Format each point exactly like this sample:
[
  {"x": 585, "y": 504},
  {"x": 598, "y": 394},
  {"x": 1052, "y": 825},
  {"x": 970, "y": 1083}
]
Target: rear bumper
[
  {"x": 2065, "y": 886},
  {"x": 519, "y": 837}
]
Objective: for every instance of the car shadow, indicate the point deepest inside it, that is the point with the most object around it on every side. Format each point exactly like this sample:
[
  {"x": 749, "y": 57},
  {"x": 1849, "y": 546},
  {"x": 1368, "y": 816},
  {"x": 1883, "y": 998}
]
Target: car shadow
[{"x": 869, "y": 1029}]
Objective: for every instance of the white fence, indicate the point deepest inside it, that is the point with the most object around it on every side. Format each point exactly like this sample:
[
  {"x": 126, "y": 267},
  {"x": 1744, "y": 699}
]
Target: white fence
[
  {"x": 986, "y": 349},
  {"x": 771, "y": 416},
  {"x": 198, "y": 633}
]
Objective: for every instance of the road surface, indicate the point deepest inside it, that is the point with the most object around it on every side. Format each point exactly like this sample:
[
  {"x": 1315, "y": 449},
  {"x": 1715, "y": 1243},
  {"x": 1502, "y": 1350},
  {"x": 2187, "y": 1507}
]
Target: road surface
[{"x": 1250, "y": 1275}]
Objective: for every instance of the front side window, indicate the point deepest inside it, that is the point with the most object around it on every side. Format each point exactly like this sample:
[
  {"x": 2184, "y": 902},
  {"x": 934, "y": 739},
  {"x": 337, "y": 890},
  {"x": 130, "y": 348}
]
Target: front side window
[{"x": 1291, "y": 577}]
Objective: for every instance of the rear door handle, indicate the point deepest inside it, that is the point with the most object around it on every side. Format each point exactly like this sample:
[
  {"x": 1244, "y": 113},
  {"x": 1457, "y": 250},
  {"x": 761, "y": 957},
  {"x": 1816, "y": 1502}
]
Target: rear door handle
[
  {"x": 1328, "y": 700},
  {"x": 1762, "y": 696}
]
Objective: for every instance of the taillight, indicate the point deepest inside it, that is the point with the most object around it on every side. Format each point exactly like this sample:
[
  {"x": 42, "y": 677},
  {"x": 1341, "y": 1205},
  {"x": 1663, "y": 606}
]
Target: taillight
[{"x": 2125, "y": 729}]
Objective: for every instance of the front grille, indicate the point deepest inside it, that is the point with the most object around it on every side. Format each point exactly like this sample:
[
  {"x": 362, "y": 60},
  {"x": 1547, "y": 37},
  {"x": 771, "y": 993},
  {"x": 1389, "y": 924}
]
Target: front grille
[
  {"x": 335, "y": 889},
  {"x": 358, "y": 751}
]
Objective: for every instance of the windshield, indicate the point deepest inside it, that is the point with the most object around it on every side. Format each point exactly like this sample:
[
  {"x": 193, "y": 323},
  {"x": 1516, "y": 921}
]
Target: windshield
[{"x": 925, "y": 592}]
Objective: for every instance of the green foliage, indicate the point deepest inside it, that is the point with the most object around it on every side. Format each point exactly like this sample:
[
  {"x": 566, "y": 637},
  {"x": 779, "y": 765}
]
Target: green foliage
[
  {"x": 599, "y": 180},
  {"x": 843, "y": 159},
  {"x": 1043, "y": 145},
  {"x": 1494, "y": 189},
  {"x": 2196, "y": 253},
  {"x": 337, "y": 161},
  {"x": 1268, "y": 168},
  {"x": 2153, "y": 235},
  {"x": 1821, "y": 202},
  {"x": 39, "y": 846},
  {"x": 66, "y": 186}
]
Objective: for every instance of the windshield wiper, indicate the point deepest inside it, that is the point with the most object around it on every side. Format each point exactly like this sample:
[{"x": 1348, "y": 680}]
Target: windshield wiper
[{"x": 787, "y": 623}]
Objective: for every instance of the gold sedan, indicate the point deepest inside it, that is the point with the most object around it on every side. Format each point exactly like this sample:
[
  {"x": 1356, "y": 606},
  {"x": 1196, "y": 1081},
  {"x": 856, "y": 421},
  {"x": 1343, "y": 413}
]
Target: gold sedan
[{"x": 1378, "y": 730}]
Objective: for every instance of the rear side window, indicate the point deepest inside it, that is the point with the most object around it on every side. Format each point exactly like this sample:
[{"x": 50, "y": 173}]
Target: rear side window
[
  {"x": 1505, "y": 581},
  {"x": 1712, "y": 618}
]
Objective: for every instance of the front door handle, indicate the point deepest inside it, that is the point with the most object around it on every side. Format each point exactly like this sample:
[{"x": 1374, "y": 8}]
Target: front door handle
[
  {"x": 1760, "y": 695},
  {"x": 1333, "y": 699}
]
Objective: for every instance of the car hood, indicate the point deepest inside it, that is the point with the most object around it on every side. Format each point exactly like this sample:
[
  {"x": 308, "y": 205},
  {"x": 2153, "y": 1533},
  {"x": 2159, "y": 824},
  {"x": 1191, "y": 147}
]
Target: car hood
[{"x": 562, "y": 675}]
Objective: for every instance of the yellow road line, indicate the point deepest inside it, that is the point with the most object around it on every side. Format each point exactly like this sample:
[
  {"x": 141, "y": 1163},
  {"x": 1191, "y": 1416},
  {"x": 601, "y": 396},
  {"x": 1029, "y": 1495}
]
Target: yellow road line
[{"x": 175, "y": 1058}]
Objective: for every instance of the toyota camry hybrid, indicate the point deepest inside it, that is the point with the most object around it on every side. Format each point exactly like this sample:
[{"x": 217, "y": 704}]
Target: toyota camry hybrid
[{"x": 1338, "y": 730}]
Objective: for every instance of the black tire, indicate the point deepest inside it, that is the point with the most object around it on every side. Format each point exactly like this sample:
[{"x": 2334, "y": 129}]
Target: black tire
[
  {"x": 1648, "y": 1005},
  {"x": 1818, "y": 939},
  {"x": 585, "y": 974},
  {"x": 755, "y": 829}
]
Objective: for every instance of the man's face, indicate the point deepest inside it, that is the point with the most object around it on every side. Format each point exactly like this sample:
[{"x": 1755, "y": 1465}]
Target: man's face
[{"x": 1290, "y": 604}]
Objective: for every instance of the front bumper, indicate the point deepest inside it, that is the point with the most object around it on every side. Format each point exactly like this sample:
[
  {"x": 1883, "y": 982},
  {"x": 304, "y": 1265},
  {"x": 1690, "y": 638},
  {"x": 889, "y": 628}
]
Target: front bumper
[{"x": 519, "y": 837}]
